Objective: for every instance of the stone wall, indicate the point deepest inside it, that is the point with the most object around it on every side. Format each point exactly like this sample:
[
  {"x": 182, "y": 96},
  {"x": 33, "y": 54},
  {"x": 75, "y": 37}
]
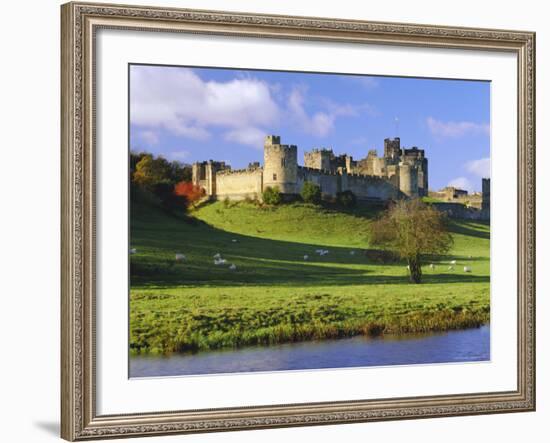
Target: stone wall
[
  {"x": 458, "y": 210},
  {"x": 330, "y": 183},
  {"x": 369, "y": 187},
  {"x": 237, "y": 185}
]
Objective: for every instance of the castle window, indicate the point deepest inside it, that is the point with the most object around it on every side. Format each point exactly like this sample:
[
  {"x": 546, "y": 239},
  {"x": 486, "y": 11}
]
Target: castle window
[
  {"x": 274, "y": 176},
  {"x": 283, "y": 162}
]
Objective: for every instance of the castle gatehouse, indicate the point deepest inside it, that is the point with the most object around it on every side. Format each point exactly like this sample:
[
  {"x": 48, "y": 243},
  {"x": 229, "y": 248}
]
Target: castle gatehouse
[{"x": 398, "y": 173}]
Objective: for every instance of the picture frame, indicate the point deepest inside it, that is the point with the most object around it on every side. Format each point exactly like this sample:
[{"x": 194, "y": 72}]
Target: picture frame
[{"x": 79, "y": 399}]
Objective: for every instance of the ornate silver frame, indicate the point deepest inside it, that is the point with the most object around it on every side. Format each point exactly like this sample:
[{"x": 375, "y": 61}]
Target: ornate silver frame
[{"x": 80, "y": 21}]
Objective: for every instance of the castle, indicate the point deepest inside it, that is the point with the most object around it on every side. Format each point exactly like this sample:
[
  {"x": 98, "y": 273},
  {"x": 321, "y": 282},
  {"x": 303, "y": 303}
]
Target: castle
[{"x": 399, "y": 173}]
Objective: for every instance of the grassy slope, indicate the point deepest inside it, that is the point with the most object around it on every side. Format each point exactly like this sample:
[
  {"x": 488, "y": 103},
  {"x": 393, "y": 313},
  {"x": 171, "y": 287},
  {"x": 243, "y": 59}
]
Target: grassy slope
[{"x": 276, "y": 296}]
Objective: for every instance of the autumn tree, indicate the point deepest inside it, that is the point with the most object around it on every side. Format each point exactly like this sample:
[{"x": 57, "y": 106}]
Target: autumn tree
[
  {"x": 150, "y": 171},
  {"x": 412, "y": 230},
  {"x": 190, "y": 191}
]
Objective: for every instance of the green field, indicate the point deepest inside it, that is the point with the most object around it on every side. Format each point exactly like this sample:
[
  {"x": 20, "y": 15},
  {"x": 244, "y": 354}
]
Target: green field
[{"x": 275, "y": 295}]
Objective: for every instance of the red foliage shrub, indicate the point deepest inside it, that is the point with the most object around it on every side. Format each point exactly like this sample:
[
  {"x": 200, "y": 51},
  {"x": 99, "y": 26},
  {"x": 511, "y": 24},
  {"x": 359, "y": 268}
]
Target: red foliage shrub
[{"x": 191, "y": 192}]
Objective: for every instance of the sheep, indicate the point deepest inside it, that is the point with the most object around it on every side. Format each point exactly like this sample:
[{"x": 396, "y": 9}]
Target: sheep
[
  {"x": 432, "y": 267},
  {"x": 233, "y": 267},
  {"x": 306, "y": 257},
  {"x": 133, "y": 251},
  {"x": 453, "y": 262},
  {"x": 180, "y": 257},
  {"x": 467, "y": 269},
  {"x": 217, "y": 256},
  {"x": 234, "y": 240},
  {"x": 220, "y": 261}
]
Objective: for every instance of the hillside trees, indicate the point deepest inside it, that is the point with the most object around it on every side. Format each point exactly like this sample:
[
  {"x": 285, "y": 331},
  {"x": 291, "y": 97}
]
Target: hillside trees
[
  {"x": 192, "y": 193},
  {"x": 413, "y": 230},
  {"x": 156, "y": 178}
]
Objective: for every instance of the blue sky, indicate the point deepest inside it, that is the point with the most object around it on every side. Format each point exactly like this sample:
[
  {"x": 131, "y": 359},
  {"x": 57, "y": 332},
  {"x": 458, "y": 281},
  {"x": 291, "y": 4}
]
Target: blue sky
[{"x": 196, "y": 114}]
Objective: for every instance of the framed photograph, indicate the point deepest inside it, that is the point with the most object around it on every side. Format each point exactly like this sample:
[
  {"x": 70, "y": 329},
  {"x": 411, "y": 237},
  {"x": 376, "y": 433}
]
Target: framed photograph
[{"x": 277, "y": 221}]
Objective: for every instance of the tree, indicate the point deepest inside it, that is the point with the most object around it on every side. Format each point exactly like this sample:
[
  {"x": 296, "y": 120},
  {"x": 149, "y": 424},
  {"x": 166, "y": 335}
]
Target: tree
[
  {"x": 311, "y": 193},
  {"x": 272, "y": 195},
  {"x": 191, "y": 192},
  {"x": 413, "y": 230},
  {"x": 151, "y": 171}
]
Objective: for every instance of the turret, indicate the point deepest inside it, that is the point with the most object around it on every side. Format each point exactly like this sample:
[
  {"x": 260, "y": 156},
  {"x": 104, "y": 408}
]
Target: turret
[
  {"x": 280, "y": 165},
  {"x": 408, "y": 180},
  {"x": 392, "y": 148}
]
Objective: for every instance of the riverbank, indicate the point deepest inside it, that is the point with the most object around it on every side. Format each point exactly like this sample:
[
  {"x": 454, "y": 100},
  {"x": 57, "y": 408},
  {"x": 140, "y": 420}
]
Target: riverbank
[
  {"x": 461, "y": 346},
  {"x": 276, "y": 295}
]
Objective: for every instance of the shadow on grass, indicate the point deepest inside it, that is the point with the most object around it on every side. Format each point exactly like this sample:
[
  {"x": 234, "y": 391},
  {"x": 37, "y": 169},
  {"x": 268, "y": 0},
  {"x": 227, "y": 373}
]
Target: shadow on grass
[
  {"x": 259, "y": 261},
  {"x": 466, "y": 227}
]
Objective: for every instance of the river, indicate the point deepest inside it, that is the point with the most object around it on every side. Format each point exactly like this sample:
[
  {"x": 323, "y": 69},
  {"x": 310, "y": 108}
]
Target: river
[{"x": 467, "y": 345}]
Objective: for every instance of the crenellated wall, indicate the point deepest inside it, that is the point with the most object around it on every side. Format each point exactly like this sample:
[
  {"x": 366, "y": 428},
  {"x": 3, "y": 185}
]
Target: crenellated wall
[
  {"x": 238, "y": 185},
  {"x": 329, "y": 182},
  {"x": 369, "y": 187},
  {"x": 400, "y": 173}
]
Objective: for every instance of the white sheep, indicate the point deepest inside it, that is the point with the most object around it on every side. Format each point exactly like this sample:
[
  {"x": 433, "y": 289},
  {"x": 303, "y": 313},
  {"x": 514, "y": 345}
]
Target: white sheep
[
  {"x": 133, "y": 251},
  {"x": 432, "y": 267},
  {"x": 234, "y": 240},
  {"x": 220, "y": 261},
  {"x": 467, "y": 269},
  {"x": 453, "y": 262},
  {"x": 233, "y": 267},
  {"x": 217, "y": 256},
  {"x": 180, "y": 257},
  {"x": 306, "y": 257}
]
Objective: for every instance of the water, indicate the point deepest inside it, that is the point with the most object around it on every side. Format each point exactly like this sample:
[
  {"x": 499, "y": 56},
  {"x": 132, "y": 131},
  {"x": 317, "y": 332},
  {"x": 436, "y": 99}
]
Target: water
[{"x": 455, "y": 346}]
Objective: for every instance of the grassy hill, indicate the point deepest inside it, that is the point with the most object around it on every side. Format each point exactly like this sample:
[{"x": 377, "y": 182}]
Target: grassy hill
[{"x": 275, "y": 295}]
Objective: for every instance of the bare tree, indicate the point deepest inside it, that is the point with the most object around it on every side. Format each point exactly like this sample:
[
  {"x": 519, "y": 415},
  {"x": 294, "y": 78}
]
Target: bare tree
[{"x": 412, "y": 230}]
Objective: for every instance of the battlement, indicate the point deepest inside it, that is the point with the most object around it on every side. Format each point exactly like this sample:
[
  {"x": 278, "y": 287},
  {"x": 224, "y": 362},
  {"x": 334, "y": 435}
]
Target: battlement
[
  {"x": 239, "y": 171},
  {"x": 318, "y": 171},
  {"x": 272, "y": 140},
  {"x": 400, "y": 172},
  {"x": 414, "y": 152}
]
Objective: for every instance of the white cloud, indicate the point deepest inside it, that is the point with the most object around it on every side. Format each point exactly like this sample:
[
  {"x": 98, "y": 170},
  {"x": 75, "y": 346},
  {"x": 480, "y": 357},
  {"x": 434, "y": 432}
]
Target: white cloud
[
  {"x": 247, "y": 136},
  {"x": 367, "y": 82},
  {"x": 461, "y": 183},
  {"x": 178, "y": 155},
  {"x": 149, "y": 137},
  {"x": 320, "y": 123},
  {"x": 456, "y": 129},
  {"x": 178, "y": 100},
  {"x": 480, "y": 167}
]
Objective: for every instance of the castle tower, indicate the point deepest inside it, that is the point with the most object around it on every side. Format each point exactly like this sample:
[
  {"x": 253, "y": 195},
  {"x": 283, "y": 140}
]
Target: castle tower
[
  {"x": 392, "y": 148},
  {"x": 280, "y": 165},
  {"x": 318, "y": 159},
  {"x": 408, "y": 180}
]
